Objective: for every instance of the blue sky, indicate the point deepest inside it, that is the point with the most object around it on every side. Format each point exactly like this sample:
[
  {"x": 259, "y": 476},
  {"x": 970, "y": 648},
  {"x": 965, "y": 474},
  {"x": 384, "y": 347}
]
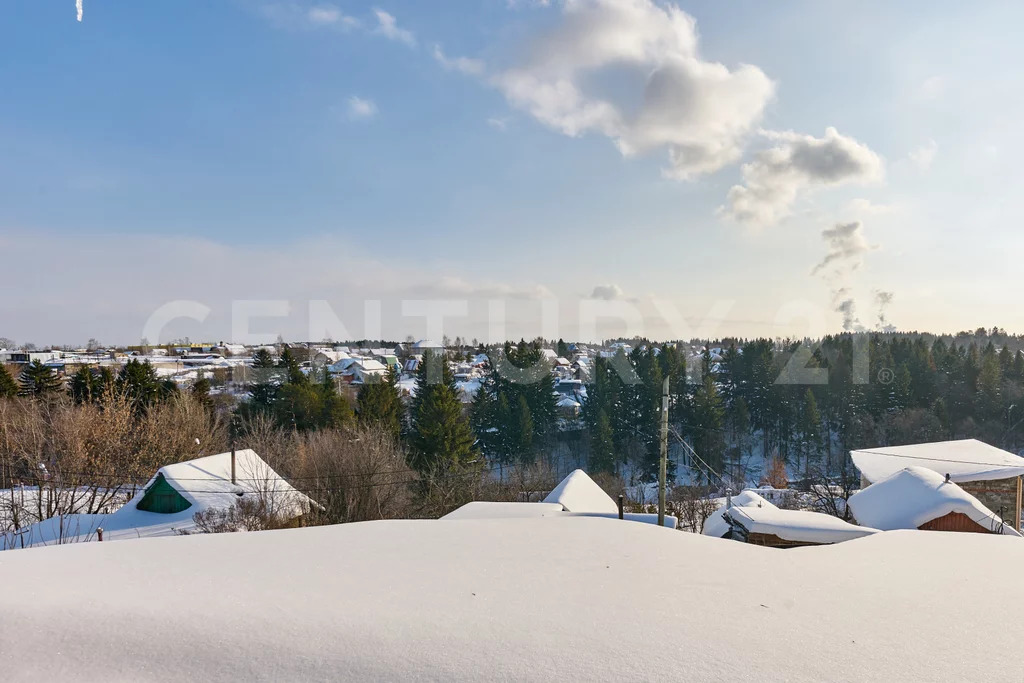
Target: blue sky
[{"x": 211, "y": 151}]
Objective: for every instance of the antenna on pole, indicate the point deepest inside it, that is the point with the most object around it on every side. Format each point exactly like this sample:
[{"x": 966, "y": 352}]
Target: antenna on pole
[{"x": 663, "y": 460}]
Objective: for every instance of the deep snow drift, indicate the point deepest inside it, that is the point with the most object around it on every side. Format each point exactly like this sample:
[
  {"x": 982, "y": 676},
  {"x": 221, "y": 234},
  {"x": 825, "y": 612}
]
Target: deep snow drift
[{"x": 553, "y": 598}]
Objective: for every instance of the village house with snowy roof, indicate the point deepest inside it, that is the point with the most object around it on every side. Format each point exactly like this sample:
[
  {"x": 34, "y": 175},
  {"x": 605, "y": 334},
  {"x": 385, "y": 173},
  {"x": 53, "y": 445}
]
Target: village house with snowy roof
[
  {"x": 990, "y": 474},
  {"x": 919, "y": 498},
  {"x": 168, "y": 503}
]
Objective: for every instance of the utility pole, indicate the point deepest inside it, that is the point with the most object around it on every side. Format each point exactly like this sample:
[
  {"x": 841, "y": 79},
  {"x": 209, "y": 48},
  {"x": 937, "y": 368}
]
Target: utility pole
[{"x": 663, "y": 464}]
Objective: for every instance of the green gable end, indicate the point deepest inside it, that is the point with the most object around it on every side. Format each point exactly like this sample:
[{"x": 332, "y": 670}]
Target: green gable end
[{"x": 163, "y": 498}]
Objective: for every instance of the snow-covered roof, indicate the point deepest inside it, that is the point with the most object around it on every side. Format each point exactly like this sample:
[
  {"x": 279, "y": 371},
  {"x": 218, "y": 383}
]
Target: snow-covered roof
[
  {"x": 488, "y": 510},
  {"x": 414, "y": 600},
  {"x": 715, "y": 525},
  {"x": 579, "y": 493},
  {"x": 964, "y": 460},
  {"x": 426, "y": 344},
  {"x": 468, "y": 388},
  {"x": 796, "y": 525},
  {"x": 568, "y": 402},
  {"x": 370, "y": 365},
  {"x": 204, "y": 482},
  {"x": 916, "y": 495}
]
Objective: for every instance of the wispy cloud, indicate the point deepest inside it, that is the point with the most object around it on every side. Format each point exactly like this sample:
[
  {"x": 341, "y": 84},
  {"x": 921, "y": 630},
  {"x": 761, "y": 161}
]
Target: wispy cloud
[
  {"x": 499, "y": 123},
  {"x": 388, "y": 27},
  {"x": 79, "y": 9},
  {"x": 329, "y": 15},
  {"x": 360, "y": 108},
  {"x": 466, "y": 65}
]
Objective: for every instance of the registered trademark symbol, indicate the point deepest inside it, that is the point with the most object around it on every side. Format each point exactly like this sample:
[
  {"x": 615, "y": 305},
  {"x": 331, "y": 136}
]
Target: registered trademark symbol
[{"x": 886, "y": 376}]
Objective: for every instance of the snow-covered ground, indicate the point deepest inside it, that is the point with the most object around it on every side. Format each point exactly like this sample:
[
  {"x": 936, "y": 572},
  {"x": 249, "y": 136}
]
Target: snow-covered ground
[{"x": 548, "y": 598}]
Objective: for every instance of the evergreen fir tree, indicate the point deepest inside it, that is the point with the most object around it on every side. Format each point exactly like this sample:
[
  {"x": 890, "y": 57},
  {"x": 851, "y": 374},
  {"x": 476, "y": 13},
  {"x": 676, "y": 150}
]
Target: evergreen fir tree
[
  {"x": 201, "y": 390},
  {"x": 290, "y": 364},
  {"x": 810, "y": 431},
  {"x": 262, "y": 359},
  {"x": 379, "y": 404},
  {"x": 37, "y": 379},
  {"x": 441, "y": 438},
  {"x": 84, "y": 386},
  {"x": 602, "y": 445},
  {"x": 709, "y": 419},
  {"x": 524, "y": 431},
  {"x": 8, "y": 385},
  {"x": 562, "y": 349},
  {"x": 139, "y": 383}
]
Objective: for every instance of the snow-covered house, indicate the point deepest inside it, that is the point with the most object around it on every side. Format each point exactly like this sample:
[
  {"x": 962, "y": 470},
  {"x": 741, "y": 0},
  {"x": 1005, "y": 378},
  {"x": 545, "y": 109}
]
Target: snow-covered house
[
  {"x": 575, "y": 496},
  {"x": 328, "y": 357},
  {"x": 390, "y": 361},
  {"x": 777, "y": 528},
  {"x": 568, "y": 407},
  {"x": 716, "y": 524},
  {"x": 990, "y": 474},
  {"x": 168, "y": 503},
  {"x": 229, "y": 349},
  {"x": 424, "y": 345},
  {"x": 342, "y": 365},
  {"x": 367, "y": 370},
  {"x": 919, "y": 498}
]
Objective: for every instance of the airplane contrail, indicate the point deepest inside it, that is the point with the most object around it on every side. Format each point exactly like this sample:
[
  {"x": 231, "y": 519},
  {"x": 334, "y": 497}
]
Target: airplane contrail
[{"x": 78, "y": 6}]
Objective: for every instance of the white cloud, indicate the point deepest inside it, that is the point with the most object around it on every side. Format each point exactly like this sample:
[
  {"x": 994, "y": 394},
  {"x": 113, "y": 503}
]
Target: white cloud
[
  {"x": 295, "y": 15},
  {"x": 387, "y": 26},
  {"x": 79, "y": 9},
  {"x": 329, "y": 15},
  {"x": 498, "y": 123},
  {"x": 359, "y": 108},
  {"x": 923, "y": 156},
  {"x": 607, "y": 292},
  {"x": 698, "y": 112},
  {"x": 466, "y": 65},
  {"x": 773, "y": 179}
]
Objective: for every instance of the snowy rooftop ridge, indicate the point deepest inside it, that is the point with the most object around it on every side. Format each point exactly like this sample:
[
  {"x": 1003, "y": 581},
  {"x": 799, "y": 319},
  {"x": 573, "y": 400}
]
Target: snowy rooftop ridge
[
  {"x": 715, "y": 525},
  {"x": 579, "y": 493},
  {"x": 799, "y": 526},
  {"x": 963, "y": 460},
  {"x": 916, "y": 495}
]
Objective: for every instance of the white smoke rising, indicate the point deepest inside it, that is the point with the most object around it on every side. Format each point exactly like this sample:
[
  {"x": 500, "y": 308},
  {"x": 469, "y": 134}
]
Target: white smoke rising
[
  {"x": 78, "y": 7},
  {"x": 846, "y": 248},
  {"x": 847, "y": 306},
  {"x": 882, "y": 301}
]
